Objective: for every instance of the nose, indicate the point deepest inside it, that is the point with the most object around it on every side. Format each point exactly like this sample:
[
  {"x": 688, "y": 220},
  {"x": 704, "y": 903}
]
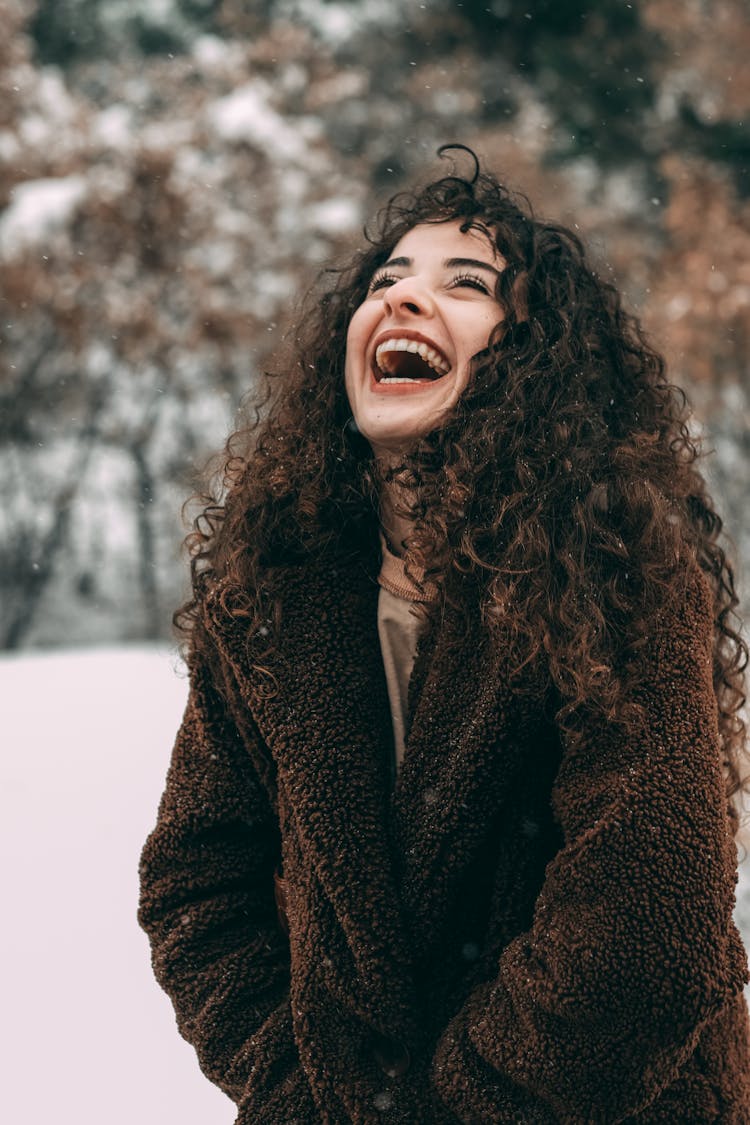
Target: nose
[{"x": 408, "y": 296}]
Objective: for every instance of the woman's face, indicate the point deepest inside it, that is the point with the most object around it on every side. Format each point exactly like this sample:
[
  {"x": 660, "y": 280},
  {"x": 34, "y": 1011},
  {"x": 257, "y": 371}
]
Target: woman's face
[{"x": 410, "y": 344}]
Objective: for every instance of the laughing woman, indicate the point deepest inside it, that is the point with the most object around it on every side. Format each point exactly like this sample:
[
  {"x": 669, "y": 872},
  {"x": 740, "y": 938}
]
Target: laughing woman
[{"x": 448, "y": 833}]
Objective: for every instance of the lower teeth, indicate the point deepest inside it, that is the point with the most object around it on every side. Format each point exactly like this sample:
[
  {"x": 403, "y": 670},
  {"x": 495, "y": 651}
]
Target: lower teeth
[{"x": 401, "y": 379}]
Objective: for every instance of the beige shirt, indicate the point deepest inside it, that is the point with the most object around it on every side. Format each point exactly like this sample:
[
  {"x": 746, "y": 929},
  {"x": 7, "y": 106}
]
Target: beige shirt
[{"x": 399, "y": 630}]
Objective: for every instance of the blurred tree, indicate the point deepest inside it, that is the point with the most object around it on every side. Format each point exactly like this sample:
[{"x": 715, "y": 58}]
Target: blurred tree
[
  {"x": 590, "y": 62},
  {"x": 64, "y": 30},
  {"x": 160, "y": 214},
  {"x": 725, "y": 141},
  {"x": 68, "y": 31}
]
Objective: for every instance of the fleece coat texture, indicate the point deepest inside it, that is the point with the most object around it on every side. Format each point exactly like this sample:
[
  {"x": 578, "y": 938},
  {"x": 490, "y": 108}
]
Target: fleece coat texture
[{"x": 509, "y": 931}]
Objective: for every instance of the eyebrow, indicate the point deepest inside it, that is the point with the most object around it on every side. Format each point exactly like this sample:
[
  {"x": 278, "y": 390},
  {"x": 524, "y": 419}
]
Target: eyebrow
[{"x": 449, "y": 263}]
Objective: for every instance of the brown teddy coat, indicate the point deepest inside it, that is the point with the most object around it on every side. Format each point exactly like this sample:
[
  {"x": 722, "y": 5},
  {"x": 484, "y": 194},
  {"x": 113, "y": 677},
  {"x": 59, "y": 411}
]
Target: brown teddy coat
[{"x": 513, "y": 932}]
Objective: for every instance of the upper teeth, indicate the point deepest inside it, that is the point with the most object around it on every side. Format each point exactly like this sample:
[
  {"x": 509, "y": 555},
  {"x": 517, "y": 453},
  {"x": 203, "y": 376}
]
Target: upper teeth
[{"x": 436, "y": 361}]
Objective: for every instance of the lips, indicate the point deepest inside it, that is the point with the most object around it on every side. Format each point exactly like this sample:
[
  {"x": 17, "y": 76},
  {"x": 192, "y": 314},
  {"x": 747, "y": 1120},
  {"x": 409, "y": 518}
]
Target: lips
[{"x": 408, "y": 357}]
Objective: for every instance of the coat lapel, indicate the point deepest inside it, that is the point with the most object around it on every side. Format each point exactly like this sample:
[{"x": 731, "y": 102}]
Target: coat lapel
[
  {"x": 389, "y": 859},
  {"x": 328, "y": 729},
  {"x": 466, "y": 746}
]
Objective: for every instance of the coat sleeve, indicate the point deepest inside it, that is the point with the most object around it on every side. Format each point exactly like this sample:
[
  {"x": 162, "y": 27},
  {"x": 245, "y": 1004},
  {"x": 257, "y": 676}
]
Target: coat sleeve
[
  {"x": 207, "y": 906},
  {"x": 632, "y": 946}
]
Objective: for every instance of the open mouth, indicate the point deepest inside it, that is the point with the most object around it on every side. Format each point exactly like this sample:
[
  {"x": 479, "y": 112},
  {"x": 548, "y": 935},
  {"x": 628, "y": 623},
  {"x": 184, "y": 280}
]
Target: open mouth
[{"x": 403, "y": 360}]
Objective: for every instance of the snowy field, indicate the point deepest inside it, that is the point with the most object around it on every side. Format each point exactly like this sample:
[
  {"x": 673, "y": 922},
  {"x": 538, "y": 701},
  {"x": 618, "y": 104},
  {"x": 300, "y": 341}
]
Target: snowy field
[{"x": 88, "y": 1035}]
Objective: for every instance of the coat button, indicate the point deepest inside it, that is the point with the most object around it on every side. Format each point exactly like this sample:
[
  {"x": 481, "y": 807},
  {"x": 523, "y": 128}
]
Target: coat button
[{"x": 394, "y": 1058}]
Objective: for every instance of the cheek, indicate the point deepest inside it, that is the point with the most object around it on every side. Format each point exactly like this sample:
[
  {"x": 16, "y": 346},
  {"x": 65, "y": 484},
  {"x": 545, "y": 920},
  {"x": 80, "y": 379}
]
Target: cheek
[
  {"x": 477, "y": 339},
  {"x": 461, "y": 383},
  {"x": 484, "y": 329},
  {"x": 349, "y": 381},
  {"x": 357, "y": 337},
  {"x": 350, "y": 347}
]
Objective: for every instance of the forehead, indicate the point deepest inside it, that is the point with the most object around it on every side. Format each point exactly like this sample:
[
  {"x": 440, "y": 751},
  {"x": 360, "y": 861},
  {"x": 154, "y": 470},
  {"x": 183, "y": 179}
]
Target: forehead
[{"x": 440, "y": 241}]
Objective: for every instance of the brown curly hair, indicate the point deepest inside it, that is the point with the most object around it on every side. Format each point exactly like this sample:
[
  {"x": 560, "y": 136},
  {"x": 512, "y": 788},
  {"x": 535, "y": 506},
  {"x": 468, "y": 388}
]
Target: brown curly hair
[{"x": 563, "y": 492}]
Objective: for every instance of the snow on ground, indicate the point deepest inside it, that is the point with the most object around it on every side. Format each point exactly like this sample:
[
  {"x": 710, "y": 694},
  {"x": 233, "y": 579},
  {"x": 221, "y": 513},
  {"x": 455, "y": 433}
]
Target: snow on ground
[{"x": 87, "y": 1035}]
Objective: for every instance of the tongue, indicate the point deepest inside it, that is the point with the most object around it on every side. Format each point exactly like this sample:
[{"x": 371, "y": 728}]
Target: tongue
[{"x": 407, "y": 365}]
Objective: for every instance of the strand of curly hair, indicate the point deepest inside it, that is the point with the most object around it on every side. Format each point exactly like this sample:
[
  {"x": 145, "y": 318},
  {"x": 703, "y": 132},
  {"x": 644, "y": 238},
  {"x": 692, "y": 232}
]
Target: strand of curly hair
[{"x": 563, "y": 492}]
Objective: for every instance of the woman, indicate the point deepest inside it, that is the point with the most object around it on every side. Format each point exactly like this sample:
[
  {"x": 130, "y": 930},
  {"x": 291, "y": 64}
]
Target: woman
[{"x": 448, "y": 833}]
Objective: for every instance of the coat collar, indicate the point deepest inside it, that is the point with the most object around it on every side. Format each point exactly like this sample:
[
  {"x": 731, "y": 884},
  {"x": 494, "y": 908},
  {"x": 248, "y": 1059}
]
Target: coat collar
[{"x": 389, "y": 857}]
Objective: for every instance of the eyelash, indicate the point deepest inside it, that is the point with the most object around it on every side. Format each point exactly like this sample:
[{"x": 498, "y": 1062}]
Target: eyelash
[
  {"x": 473, "y": 282},
  {"x": 380, "y": 280}
]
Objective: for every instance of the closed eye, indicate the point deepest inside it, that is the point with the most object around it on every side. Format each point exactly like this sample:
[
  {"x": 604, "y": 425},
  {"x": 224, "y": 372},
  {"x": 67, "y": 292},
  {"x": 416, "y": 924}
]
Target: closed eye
[
  {"x": 381, "y": 280},
  {"x": 470, "y": 281},
  {"x": 463, "y": 280}
]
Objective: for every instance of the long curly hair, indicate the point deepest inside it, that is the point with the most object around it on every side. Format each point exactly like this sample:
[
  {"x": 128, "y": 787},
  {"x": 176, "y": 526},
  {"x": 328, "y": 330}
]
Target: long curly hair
[{"x": 564, "y": 491}]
